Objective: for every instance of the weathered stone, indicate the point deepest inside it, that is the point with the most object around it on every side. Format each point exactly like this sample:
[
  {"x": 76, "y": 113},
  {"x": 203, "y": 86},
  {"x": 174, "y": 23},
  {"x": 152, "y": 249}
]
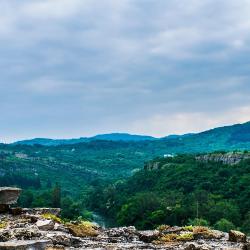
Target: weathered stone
[
  {"x": 39, "y": 211},
  {"x": 246, "y": 246},
  {"x": 45, "y": 224},
  {"x": 9, "y": 195},
  {"x": 26, "y": 233},
  {"x": 60, "y": 227},
  {"x": 24, "y": 227},
  {"x": 57, "y": 247},
  {"x": 4, "y": 208},
  {"x": 121, "y": 231},
  {"x": 4, "y": 235},
  {"x": 174, "y": 229},
  {"x": 24, "y": 245},
  {"x": 195, "y": 246},
  {"x": 81, "y": 230},
  {"x": 237, "y": 236},
  {"x": 60, "y": 238},
  {"x": 149, "y": 235},
  {"x": 16, "y": 211},
  {"x": 32, "y": 217}
]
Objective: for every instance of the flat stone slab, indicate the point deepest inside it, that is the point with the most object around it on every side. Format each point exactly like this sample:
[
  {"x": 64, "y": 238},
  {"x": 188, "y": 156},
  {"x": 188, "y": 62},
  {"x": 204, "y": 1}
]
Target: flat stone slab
[
  {"x": 24, "y": 245},
  {"x": 43, "y": 210},
  {"x": 9, "y": 195}
]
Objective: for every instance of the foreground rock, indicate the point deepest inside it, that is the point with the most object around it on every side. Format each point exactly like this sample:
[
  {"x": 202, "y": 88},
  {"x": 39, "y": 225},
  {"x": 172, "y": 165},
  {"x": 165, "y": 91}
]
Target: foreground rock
[
  {"x": 237, "y": 236},
  {"x": 37, "y": 229},
  {"x": 24, "y": 245},
  {"x": 8, "y": 196},
  {"x": 45, "y": 225}
]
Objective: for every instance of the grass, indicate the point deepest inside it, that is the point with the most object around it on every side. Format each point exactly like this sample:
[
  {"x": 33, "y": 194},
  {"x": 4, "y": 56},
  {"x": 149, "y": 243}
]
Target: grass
[
  {"x": 162, "y": 227},
  {"x": 185, "y": 237},
  {"x": 204, "y": 232},
  {"x": 3, "y": 224},
  {"x": 188, "y": 228},
  {"x": 53, "y": 217}
]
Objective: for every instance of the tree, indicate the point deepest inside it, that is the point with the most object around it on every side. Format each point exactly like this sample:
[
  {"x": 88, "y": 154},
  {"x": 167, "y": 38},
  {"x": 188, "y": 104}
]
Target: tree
[
  {"x": 224, "y": 225},
  {"x": 56, "y": 196},
  {"x": 198, "y": 222},
  {"x": 143, "y": 211},
  {"x": 246, "y": 223}
]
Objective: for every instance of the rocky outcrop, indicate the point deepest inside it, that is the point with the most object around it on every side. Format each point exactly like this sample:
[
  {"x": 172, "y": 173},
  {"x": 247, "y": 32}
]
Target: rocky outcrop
[
  {"x": 24, "y": 245},
  {"x": 45, "y": 225},
  {"x": 225, "y": 158},
  {"x": 237, "y": 236},
  {"x": 31, "y": 229},
  {"x": 39, "y": 211},
  {"x": 8, "y": 195}
]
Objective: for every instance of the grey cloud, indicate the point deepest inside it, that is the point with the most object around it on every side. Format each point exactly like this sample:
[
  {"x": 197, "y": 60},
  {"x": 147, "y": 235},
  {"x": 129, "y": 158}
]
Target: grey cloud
[{"x": 79, "y": 67}]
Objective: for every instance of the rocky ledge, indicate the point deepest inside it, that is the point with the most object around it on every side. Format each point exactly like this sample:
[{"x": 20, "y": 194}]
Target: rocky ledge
[
  {"x": 42, "y": 229},
  {"x": 39, "y": 229}
]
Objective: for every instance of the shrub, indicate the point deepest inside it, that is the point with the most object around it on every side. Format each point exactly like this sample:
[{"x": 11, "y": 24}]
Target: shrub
[
  {"x": 224, "y": 225},
  {"x": 198, "y": 222}
]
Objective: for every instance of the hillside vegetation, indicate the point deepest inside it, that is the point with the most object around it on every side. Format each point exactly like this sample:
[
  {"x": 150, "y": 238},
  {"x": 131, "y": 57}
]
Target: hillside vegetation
[
  {"x": 75, "y": 176},
  {"x": 179, "y": 191}
]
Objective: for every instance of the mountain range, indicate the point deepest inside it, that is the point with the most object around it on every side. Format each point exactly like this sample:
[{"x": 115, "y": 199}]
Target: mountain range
[{"x": 238, "y": 134}]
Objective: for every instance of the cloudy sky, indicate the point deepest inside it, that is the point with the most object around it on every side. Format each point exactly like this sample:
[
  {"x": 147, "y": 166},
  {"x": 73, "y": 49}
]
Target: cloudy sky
[{"x": 71, "y": 68}]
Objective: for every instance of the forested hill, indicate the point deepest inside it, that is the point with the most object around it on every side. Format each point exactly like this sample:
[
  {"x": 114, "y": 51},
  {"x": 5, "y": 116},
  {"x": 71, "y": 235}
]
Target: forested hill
[
  {"x": 107, "y": 159},
  {"x": 182, "y": 190},
  {"x": 80, "y": 167}
]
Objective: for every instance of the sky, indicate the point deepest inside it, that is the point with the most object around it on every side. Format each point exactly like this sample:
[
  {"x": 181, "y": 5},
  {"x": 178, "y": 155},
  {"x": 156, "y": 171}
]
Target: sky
[{"x": 73, "y": 68}]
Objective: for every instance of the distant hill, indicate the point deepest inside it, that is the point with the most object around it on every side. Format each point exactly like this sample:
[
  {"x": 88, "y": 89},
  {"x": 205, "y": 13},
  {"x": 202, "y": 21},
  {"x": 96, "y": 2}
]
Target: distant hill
[
  {"x": 122, "y": 137},
  {"x": 228, "y": 137},
  {"x": 106, "y": 137},
  {"x": 50, "y": 142},
  {"x": 76, "y": 163}
]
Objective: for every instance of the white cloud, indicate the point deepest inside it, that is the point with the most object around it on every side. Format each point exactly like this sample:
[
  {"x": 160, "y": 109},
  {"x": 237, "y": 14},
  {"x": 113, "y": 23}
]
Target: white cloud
[{"x": 181, "y": 123}]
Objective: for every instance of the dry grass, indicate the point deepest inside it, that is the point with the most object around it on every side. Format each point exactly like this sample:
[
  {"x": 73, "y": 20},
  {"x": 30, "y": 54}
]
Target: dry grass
[
  {"x": 168, "y": 237},
  {"x": 204, "y": 232},
  {"x": 163, "y": 227}
]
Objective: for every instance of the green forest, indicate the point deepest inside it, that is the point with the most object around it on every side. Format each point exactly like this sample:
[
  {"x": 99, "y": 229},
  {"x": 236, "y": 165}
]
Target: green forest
[
  {"x": 181, "y": 191},
  {"x": 114, "y": 179}
]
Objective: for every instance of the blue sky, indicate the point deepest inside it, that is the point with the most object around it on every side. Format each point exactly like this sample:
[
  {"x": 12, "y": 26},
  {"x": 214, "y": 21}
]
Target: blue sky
[{"x": 71, "y": 68}]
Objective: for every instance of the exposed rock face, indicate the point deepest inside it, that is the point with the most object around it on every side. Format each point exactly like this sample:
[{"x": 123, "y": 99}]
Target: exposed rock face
[
  {"x": 237, "y": 236},
  {"x": 32, "y": 231},
  {"x": 246, "y": 246},
  {"x": 226, "y": 158},
  {"x": 45, "y": 225},
  {"x": 195, "y": 246},
  {"x": 152, "y": 165},
  {"x": 24, "y": 245},
  {"x": 39, "y": 211},
  {"x": 8, "y": 195},
  {"x": 149, "y": 235}
]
